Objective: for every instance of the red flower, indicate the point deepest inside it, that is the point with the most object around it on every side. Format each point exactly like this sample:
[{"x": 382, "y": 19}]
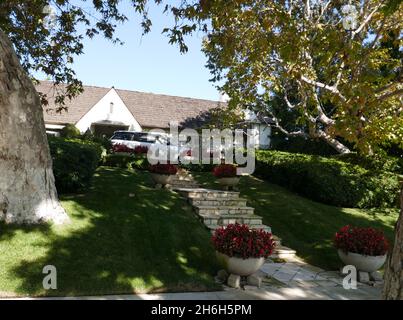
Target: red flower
[
  {"x": 121, "y": 148},
  {"x": 365, "y": 241},
  {"x": 140, "y": 150},
  {"x": 240, "y": 241},
  {"x": 163, "y": 168},
  {"x": 224, "y": 171}
]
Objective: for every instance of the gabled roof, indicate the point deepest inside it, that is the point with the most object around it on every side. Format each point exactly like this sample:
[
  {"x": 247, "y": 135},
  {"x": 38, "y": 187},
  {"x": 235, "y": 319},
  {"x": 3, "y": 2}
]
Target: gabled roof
[
  {"x": 150, "y": 110},
  {"x": 76, "y": 108}
]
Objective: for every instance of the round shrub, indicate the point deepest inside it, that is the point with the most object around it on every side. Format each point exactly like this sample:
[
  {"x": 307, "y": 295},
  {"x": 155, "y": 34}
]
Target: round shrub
[
  {"x": 74, "y": 163},
  {"x": 70, "y": 131}
]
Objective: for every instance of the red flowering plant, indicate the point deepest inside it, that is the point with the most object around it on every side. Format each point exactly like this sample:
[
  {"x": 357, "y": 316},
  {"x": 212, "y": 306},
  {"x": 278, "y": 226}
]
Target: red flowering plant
[
  {"x": 121, "y": 148},
  {"x": 236, "y": 240},
  {"x": 365, "y": 241},
  {"x": 224, "y": 171},
  {"x": 141, "y": 150},
  {"x": 161, "y": 168}
]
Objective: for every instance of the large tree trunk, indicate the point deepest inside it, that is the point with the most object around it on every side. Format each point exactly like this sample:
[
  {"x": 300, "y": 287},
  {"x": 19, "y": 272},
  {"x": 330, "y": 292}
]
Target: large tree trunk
[
  {"x": 27, "y": 187},
  {"x": 394, "y": 267},
  {"x": 338, "y": 146}
]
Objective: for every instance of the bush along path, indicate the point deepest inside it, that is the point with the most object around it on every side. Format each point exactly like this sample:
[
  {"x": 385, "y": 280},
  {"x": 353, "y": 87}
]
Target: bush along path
[{"x": 217, "y": 208}]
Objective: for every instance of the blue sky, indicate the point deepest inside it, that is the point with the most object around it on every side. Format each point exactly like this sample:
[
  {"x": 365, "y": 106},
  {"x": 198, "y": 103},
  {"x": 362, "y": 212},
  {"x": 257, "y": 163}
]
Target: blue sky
[{"x": 146, "y": 63}]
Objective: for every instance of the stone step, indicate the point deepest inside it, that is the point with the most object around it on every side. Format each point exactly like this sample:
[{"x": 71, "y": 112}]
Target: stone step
[
  {"x": 181, "y": 179},
  {"x": 202, "y": 193},
  {"x": 211, "y": 219},
  {"x": 277, "y": 240},
  {"x": 213, "y": 227},
  {"x": 283, "y": 252},
  {"x": 184, "y": 184},
  {"x": 218, "y": 202},
  {"x": 224, "y": 210}
]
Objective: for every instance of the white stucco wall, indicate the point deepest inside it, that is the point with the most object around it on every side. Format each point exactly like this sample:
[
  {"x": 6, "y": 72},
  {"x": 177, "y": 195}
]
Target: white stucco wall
[
  {"x": 101, "y": 111},
  {"x": 264, "y": 136},
  {"x": 261, "y": 132}
]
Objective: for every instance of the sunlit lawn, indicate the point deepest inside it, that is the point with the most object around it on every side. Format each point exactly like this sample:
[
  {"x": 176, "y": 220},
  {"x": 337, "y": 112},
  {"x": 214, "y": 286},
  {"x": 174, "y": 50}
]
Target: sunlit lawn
[
  {"x": 151, "y": 242},
  {"x": 305, "y": 225}
]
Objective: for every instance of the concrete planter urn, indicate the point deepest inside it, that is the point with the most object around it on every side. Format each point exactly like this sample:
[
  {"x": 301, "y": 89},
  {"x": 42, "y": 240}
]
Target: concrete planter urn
[
  {"x": 239, "y": 266},
  {"x": 228, "y": 181},
  {"x": 362, "y": 262},
  {"x": 161, "y": 179}
]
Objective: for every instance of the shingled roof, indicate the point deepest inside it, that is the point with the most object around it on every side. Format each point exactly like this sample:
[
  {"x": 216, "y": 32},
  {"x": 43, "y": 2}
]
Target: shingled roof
[{"x": 150, "y": 110}]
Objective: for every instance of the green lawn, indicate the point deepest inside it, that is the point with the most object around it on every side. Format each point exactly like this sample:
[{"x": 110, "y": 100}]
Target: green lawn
[
  {"x": 115, "y": 243},
  {"x": 305, "y": 225}
]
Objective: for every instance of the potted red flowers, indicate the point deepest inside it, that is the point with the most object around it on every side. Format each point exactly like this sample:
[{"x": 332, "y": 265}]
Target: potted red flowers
[
  {"x": 226, "y": 174},
  {"x": 364, "y": 248},
  {"x": 242, "y": 250},
  {"x": 161, "y": 173}
]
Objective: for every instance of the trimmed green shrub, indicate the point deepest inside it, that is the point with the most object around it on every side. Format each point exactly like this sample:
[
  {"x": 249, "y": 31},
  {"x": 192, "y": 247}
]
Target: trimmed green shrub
[
  {"x": 105, "y": 142},
  {"x": 126, "y": 161},
  {"x": 140, "y": 163},
  {"x": 120, "y": 160},
  {"x": 374, "y": 163},
  {"x": 70, "y": 131},
  {"x": 74, "y": 163},
  {"x": 328, "y": 180}
]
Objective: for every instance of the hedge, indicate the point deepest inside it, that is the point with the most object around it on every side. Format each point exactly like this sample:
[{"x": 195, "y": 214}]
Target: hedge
[
  {"x": 374, "y": 163},
  {"x": 328, "y": 180},
  {"x": 74, "y": 163},
  {"x": 126, "y": 160}
]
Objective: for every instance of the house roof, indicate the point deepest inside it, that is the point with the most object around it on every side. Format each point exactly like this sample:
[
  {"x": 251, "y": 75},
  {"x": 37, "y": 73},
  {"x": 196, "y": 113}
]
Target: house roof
[
  {"x": 150, "y": 110},
  {"x": 75, "y": 109}
]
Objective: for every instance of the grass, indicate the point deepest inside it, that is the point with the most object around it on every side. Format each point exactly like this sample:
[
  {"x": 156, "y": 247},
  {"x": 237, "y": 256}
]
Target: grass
[
  {"x": 115, "y": 244},
  {"x": 305, "y": 225}
]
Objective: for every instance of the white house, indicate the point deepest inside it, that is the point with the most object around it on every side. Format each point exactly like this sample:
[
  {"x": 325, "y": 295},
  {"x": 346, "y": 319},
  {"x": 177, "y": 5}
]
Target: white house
[{"x": 105, "y": 110}]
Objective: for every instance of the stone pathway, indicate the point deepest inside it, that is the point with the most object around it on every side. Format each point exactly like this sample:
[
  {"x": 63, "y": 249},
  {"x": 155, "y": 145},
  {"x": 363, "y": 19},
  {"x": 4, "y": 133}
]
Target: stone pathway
[
  {"x": 313, "y": 281},
  {"x": 291, "y": 280}
]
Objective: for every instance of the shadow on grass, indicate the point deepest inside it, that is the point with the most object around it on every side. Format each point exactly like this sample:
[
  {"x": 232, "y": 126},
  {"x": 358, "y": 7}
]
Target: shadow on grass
[
  {"x": 120, "y": 243},
  {"x": 305, "y": 225}
]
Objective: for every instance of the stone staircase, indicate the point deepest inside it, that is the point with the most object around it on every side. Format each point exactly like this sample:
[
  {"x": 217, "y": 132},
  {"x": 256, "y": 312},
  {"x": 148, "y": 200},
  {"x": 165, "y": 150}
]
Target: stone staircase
[
  {"x": 183, "y": 179},
  {"x": 217, "y": 208}
]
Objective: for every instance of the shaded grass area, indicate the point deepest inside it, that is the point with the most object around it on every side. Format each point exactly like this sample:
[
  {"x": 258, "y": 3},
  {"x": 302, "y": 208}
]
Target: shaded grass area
[
  {"x": 305, "y": 225},
  {"x": 151, "y": 242}
]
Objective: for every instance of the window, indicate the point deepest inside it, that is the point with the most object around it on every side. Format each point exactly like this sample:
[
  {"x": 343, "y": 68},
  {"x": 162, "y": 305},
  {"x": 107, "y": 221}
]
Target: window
[{"x": 122, "y": 136}]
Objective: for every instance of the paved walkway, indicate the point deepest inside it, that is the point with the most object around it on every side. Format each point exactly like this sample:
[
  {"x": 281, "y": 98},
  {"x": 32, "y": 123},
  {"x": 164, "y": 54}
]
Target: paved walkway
[{"x": 292, "y": 280}]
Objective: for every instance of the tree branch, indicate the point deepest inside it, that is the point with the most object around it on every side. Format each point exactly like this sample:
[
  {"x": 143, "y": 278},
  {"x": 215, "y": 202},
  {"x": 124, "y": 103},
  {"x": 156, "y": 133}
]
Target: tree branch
[
  {"x": 390, "y": 94},
  {"x": 277, "y": 124},
  {"x": 366, "y": 21},
  {"x": 318, "y": 84},
  {"x": 322, "y": 117}
]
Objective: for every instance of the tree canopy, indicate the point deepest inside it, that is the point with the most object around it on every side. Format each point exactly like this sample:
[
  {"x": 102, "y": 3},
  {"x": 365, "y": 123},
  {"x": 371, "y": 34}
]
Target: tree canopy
[{"x": 336, "y": 64}]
